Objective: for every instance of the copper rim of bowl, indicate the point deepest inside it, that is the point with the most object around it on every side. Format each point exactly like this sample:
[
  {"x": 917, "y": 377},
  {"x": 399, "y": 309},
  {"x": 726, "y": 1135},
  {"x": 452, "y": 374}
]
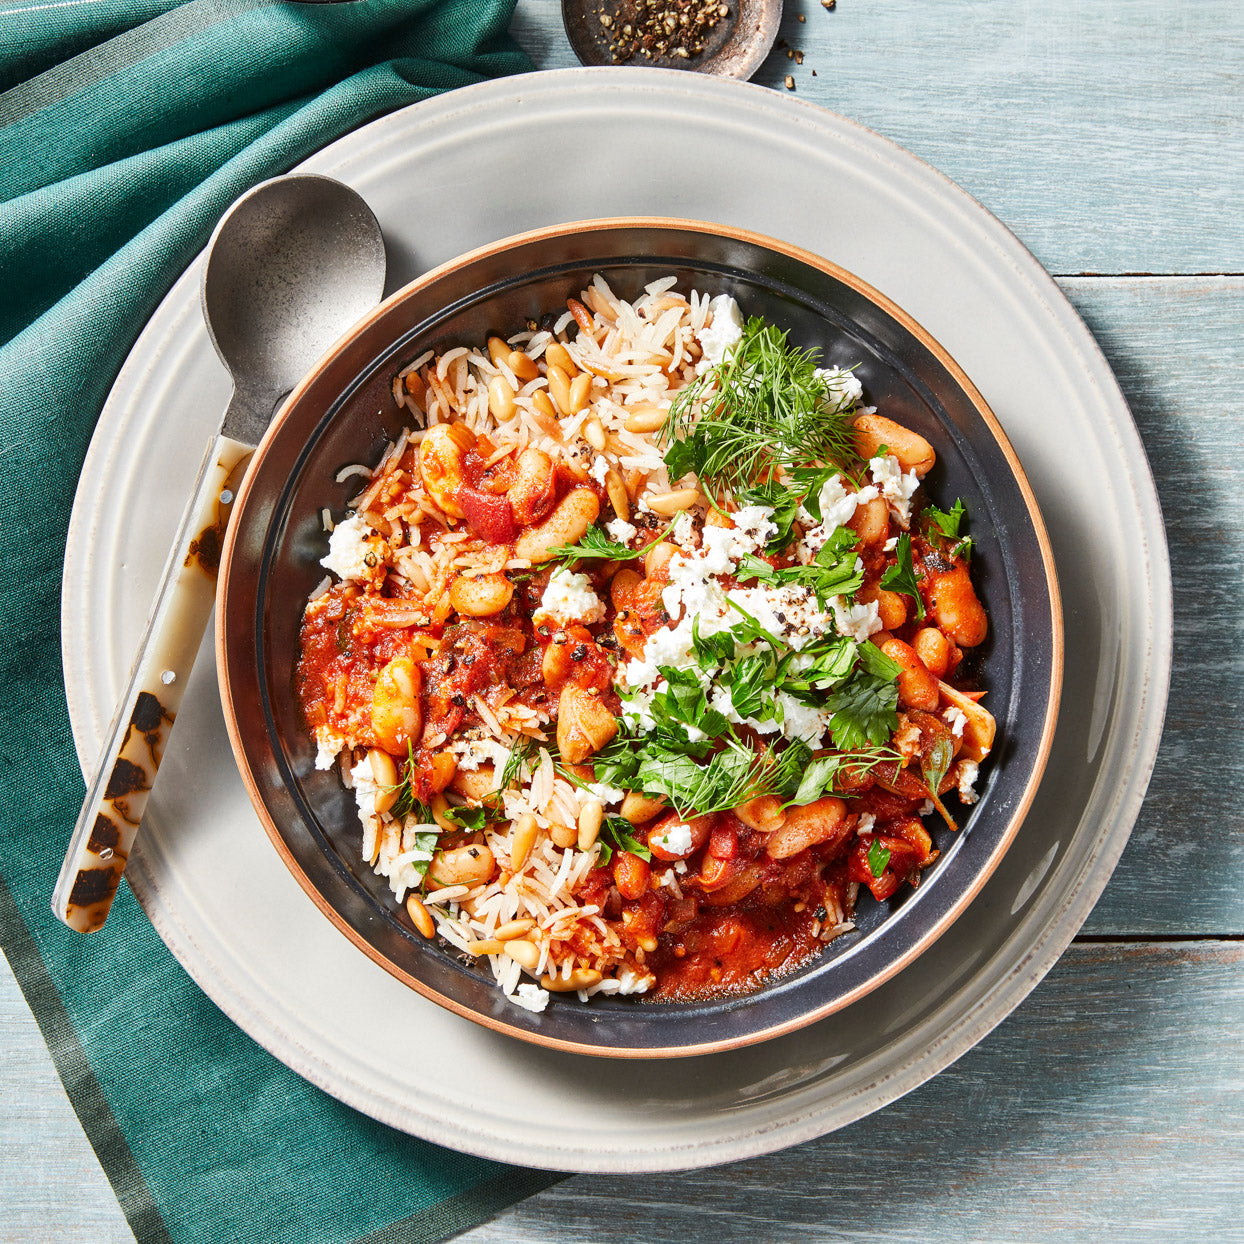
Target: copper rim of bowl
[{"x": 229, "y": 629}]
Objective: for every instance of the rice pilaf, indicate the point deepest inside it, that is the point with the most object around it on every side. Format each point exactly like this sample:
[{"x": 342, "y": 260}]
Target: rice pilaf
[{"x": 543, "y": 741}]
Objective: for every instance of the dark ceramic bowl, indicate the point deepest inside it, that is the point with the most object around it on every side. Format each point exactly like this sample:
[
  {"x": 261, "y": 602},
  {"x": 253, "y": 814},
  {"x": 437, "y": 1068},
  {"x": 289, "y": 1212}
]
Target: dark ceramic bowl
[{"x": 344, "y": 413}]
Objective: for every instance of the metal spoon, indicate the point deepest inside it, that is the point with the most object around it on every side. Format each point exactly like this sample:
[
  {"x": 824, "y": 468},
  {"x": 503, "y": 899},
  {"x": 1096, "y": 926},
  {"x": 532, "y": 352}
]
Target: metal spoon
[{"x": 292, "y": 264}]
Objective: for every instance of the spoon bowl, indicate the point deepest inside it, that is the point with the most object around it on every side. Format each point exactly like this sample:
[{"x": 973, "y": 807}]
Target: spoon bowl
[{"x": 292, "y": 264}]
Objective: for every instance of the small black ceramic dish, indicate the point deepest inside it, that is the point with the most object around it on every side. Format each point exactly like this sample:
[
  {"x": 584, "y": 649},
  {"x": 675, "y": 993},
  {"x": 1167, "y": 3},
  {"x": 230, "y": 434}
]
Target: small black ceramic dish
[
  {"x": 730, "y": 38},
  {"x": 344, "y": 413}
]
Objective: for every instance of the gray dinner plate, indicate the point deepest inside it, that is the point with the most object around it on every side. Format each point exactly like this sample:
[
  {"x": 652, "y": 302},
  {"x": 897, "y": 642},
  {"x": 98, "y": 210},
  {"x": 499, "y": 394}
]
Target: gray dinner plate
[{"x": 480, "y": 164}]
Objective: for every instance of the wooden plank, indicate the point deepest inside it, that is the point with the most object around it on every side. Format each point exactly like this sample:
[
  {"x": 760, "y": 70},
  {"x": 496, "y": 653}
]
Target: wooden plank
[
  {"x": 1178, "y": 351},
  {"x": 1110, "y": 1101},
  {"x": 51, "y": 1185},
  {"x": 1109, "y": 137}
]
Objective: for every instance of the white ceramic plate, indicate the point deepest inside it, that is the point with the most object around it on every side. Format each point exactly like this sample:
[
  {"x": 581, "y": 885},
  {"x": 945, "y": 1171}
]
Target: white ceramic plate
[{"x": 480, "y": 164}]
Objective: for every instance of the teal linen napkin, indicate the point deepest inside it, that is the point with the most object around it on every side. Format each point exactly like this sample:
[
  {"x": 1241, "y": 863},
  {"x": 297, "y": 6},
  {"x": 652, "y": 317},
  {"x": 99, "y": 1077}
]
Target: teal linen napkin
[{"x": 142, "y": 122}]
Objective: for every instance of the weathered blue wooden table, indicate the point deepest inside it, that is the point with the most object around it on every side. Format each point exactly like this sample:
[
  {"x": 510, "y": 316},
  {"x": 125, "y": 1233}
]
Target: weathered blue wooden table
[{"x": 1110, "y": 139}]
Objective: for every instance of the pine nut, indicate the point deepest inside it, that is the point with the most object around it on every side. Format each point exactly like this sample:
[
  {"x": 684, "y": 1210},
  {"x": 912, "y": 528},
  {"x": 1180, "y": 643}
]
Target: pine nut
[
  {"x": 514, "y": 928},
  {"x": 522, "y": 365},
  {"x": 420, "y": 915},
  {"x": 525, "y": 954},
  {"x": 580, "y": 978},
  {"x": 594, "y": 434},
  {"x": 486, "y": 946},
  {"x": 556, "y": 355},
  {"x": 644, "y": 417},
  {"x": 522, "y": 839},
  {"x": 671, "y": 503},
  {"x": 559, "y": 389},
  {"x": 580, "y": 391},
  {"x": 640, "y": 809},
  {"x": 647, "y": 944},
  {"x": 618, "y": 496},
  {"x": 499, "y": 351},
  {"x": 563, "y": 835},
  {"x": 416, "y": 386},
  {"x": 384, "y": 774},
  {"x": 546, "y": 412},
  {"x": 582, "y": 316},
  {"x": 500, "y": 399},
  {"x": 590, "y": 817}
]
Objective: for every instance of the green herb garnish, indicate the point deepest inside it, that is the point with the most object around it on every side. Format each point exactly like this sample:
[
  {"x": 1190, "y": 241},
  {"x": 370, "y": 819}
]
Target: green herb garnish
[
  {"x": 946, "y": 521},
  {"x": 878, "y": 857},
  {"x": 834, "y": 571},
  {"x": 615, "y": 834},
  {"x": 901, "y": 577},
  {"x": 865, "y": 711},
  {"x": 596, "y": 543},
  {"x": 762, "y": 409}
]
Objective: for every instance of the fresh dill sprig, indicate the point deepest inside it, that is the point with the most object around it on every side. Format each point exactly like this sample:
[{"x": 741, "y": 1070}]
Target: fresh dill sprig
[{"x": 763, "y": 409}]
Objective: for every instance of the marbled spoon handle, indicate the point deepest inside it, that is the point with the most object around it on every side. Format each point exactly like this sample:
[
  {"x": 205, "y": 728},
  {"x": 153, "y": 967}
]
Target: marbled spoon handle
[{"x": 132, "y": 752}]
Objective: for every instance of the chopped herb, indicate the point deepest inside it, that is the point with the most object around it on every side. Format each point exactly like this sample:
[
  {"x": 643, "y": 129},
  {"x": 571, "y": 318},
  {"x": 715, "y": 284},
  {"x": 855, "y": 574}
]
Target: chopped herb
[
  {"x": 834, "y": 571},
  {"x": 947, "y": 522},
  {"x": 596, "y": 543},
  {"x": 615, "y": 832},
  {"x": 762, "y": 407},
  {"x": 878, "y": 857},
  {"x": 471, "y": 818},
  {"x": 865, "y": 711},
  {"x": 963, "y": 548},
  {"x": 901, "y": 577},
  {"x": 937, "y": 764}
]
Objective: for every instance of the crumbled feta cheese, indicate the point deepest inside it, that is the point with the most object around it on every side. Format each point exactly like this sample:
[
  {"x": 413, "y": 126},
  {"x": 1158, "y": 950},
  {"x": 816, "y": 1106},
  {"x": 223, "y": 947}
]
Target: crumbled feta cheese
[
  {"x": 896, "y": 487},
  {"x": 608, "y": 795},
  {"x": 842, "y": 388},
  {"x": 855, "y": 621},
  {"x": 349, "y": 549},
  {"x": 676, "y": 840},
  {"x": 865, "y": 823},
  {"x": 968, "y": 773},
  {"x": 600, "y": 468},
  {"x": 890, "y": 545},
  {"x": 569, "y": 598},
  {"x": 683, "y": 531},
  {"x": 803, "y": 721},
  {"x": 530, "y": 997},
  {"x": 472, "y": 753},
  {"x": 328, "y": 746},
  {"x": 620, "y": 530},
  {"x": 837, "y": 507},
  {"x": 365, "y": 788},
  {"x": 724, "y": 329},
  {"x": 630, "y": 981},
  {"x": 956, "y": 719}
]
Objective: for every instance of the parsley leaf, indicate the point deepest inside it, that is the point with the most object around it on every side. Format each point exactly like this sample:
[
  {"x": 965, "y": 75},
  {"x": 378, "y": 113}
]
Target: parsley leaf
[
  {"x": 471, "y": 818},
  {"x": 834, "y": 571},
  {"x": 947, "y": 522},
  {"x": 901, "y": 577},
  {"x": 615, "y": 833},
  {"x": 865, "y": 710},
  {"x": 595, "y": 543},
  {"x": 878, "y": 858}
]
